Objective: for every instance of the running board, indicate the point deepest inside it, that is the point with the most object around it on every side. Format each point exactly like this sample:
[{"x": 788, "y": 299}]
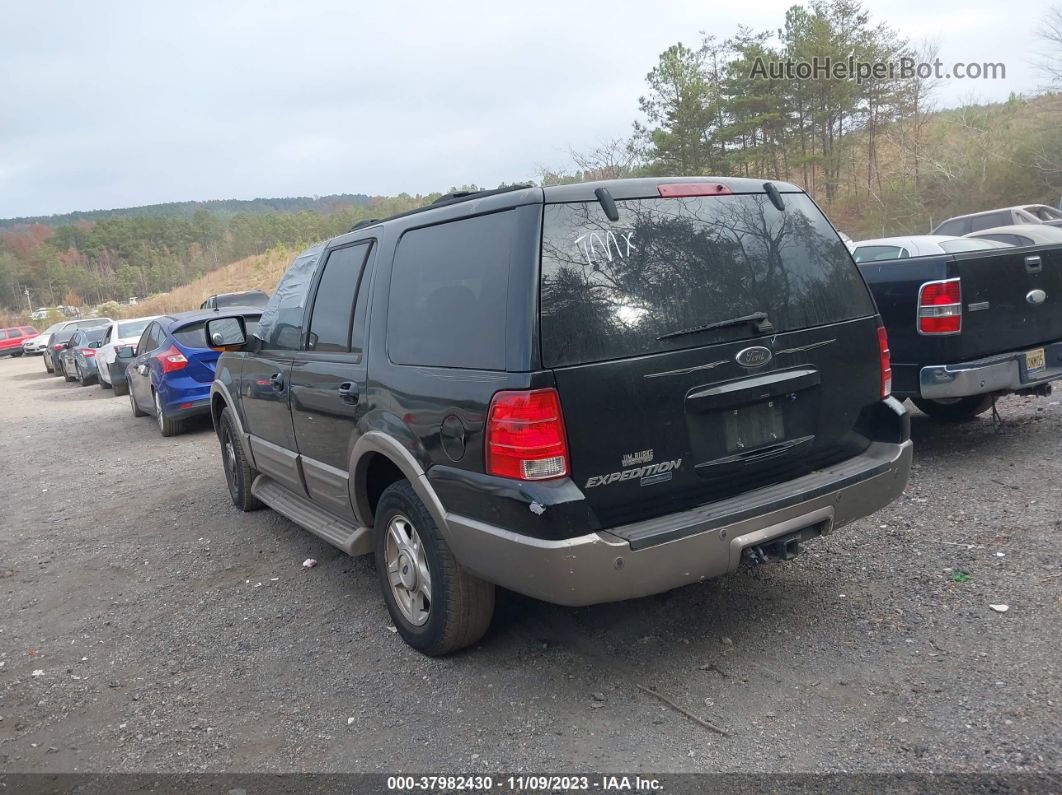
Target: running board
[{"x": 339, "y": 533}]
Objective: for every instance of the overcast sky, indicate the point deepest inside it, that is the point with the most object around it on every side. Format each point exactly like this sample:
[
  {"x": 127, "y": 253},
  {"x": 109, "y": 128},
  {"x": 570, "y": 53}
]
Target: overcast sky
[{"x": 108, "y": 104}]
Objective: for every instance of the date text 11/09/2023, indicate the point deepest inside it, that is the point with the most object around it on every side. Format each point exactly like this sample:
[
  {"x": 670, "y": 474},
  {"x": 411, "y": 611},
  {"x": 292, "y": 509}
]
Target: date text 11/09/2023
[{"x": 523, "y": 783}]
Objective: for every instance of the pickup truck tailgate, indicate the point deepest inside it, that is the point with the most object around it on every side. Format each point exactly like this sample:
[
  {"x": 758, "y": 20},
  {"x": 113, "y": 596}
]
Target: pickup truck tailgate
[{"x": 1012, "y": 299}]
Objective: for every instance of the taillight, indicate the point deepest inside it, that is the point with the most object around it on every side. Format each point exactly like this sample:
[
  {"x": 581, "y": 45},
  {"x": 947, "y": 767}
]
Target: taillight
[
  {"x": 117, "y": 348},
  {"x": 88, "y": 352},
  {"x": 885, "y": 359},
  {"x": 940, "y": 307},
  {"x": 525, "y": 435},
  {"x": 678, "y": 190},
  {"x": 172, "y": 359},
  {"x": 57, "y": 347}
]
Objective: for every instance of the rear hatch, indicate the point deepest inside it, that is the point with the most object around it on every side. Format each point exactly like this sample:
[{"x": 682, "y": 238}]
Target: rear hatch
[
  {"x": 670, "y": 398},
  {"x": 1002, "y": 311}
]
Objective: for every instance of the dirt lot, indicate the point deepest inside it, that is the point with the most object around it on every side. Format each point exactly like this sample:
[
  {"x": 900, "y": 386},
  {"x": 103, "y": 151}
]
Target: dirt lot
[{"x": 145, "y": 624}]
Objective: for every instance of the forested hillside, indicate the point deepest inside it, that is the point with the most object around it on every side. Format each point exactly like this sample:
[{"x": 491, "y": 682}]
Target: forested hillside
[{"x": 319, "y": 204}]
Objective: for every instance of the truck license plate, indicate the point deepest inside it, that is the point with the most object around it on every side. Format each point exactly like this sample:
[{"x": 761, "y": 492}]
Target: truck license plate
[{"x": 1035, "y": 360}]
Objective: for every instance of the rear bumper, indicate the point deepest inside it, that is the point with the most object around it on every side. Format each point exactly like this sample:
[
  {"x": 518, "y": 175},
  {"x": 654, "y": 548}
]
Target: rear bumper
[
  {"x": 682, "y": 548},
  {"x": 1004, "y": 372},
  {"x": 188, "y": 408}
]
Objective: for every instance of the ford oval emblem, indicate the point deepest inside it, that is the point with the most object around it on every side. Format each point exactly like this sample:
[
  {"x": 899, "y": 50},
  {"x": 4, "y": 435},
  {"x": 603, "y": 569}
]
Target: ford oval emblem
[
  {"x": 756, "y": 356},
  {"x": 1036, "y": 296}
]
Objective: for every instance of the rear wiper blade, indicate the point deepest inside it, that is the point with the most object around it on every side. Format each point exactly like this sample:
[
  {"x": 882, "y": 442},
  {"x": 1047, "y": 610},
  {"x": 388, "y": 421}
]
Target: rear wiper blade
[{"x": 759, "y": 322}]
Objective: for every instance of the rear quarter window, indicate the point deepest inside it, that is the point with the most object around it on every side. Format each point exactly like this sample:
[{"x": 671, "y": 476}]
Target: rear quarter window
[{"x": 448, "y": 296}]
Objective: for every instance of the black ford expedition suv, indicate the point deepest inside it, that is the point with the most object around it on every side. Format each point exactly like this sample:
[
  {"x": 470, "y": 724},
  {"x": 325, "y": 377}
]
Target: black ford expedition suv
[{"x": 583, "y": 393}]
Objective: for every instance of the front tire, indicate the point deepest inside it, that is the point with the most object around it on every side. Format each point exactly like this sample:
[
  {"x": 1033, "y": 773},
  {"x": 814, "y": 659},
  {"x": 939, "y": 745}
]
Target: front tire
[
  {"x": 436, "y": 605},
  {"x": 956, "y": 410},
  {"x": 239, "y": 474}
]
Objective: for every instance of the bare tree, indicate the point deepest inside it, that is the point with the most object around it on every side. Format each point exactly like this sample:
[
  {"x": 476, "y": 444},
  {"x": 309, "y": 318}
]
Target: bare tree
[{"x": 1051, "y": 63}]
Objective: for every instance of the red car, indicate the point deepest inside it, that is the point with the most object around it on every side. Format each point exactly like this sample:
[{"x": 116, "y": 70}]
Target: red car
[{"x": 11, "y": 339}]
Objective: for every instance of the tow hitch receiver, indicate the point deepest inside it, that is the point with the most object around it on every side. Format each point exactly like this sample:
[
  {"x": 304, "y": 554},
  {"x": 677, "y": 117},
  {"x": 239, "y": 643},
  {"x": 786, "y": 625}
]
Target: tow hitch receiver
[{"x": 778, "y": 549}]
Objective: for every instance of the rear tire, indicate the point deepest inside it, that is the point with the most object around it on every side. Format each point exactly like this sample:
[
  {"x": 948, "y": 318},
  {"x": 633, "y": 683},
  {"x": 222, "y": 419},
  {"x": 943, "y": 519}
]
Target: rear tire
[
  {"x": 120, "y": 389},
  {"x": 137, "y": 411},
  {"x": 81, "y": 377},
  {"x": 957, "y": 410},
  {"x": 47, "y": 365},
  {"x": 239, "y": 474},
  {"x": 167, "y": 427},
  {"x": 69, "y": 378},
  {"x": 103, "y": 384},
  {"x": 414, "y": 562}
]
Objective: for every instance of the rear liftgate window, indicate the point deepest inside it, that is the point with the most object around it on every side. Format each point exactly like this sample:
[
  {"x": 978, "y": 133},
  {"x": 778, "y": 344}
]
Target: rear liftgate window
[{"x": 610, "y": 289}]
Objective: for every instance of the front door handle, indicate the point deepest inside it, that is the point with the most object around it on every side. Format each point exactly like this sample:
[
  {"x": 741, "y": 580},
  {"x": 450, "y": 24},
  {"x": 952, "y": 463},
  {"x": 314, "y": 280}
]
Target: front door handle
[
  {"x": 348, "y": 392},
  {"x": 277, "y": 381}
]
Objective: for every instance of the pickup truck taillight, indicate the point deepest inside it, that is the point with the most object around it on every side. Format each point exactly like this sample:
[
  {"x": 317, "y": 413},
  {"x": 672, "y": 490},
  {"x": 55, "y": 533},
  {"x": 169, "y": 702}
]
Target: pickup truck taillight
[
  {"x": 172, "y": 359},
  {"x": 525, "y": 435},
  {"x": 940, "y": 307},
  {"x": 885, "y": 358}
]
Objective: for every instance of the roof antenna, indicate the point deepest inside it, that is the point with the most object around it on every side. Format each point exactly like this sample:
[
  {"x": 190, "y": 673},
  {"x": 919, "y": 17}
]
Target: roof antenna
[
  {"x": 608, "y": 204},
  {"x": 774, "y": 196}
]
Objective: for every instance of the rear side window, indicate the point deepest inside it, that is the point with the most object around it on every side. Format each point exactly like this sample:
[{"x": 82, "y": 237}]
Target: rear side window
[
  {"x": 449, "y": 285},
  {"x": 958, "y": 227},
  {"x": 877, "y": 253},
  {"x": 149, "y": 341},
  {"x": 979, "y": 222},
  {"x": 333, "y": 307},
  {"x": 28, "y": 330},
  {"x": 132, "y": 328},
  {"x": 614, "y": 289},
  {"x": 968, "y": 244}
]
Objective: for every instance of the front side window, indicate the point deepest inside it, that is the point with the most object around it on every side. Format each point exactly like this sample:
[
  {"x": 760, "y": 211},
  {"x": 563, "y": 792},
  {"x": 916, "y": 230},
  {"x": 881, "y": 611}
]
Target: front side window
[
  {"x": 332, "y": 317},
  {"x": 12, "y": 333},
  {"x": 449, "y": 287},
  {"x": 280, "y": 327}
]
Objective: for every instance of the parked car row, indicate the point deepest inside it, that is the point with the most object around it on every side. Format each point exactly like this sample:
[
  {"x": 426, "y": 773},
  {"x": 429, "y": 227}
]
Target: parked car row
[
  {"x": 165, "y": 364},
  {"x": 589, "y": 393},
  {"x": 11, "y": 339}
]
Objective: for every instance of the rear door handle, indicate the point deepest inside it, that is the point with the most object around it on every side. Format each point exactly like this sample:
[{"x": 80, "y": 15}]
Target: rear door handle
[
  {"x": 348, "y": 392},
  {"x": 277, "y": 381}
]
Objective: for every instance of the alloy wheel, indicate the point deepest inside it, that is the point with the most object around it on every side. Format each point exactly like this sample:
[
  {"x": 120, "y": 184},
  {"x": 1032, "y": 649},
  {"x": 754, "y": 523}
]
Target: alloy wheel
[{"x": 407, "y": 570}]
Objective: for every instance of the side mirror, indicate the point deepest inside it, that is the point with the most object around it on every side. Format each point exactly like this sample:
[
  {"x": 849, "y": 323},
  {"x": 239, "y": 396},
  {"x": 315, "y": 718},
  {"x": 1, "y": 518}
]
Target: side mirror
[
  {"x": 225, "y": 331},
  {"x": 96, "y": 344},
  {"x": 126, "y": 352}
]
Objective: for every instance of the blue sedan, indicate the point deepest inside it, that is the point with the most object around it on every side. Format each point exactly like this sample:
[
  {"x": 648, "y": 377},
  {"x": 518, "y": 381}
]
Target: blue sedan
[{"x": 173, "y": 366}]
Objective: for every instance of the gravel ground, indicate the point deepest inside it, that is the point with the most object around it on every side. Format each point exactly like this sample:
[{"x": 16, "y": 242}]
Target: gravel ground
[{"x": 147, "y": 625}]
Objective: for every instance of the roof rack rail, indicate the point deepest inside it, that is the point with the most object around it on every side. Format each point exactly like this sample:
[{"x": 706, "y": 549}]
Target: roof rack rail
[{"x": 450, "y": 198}]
